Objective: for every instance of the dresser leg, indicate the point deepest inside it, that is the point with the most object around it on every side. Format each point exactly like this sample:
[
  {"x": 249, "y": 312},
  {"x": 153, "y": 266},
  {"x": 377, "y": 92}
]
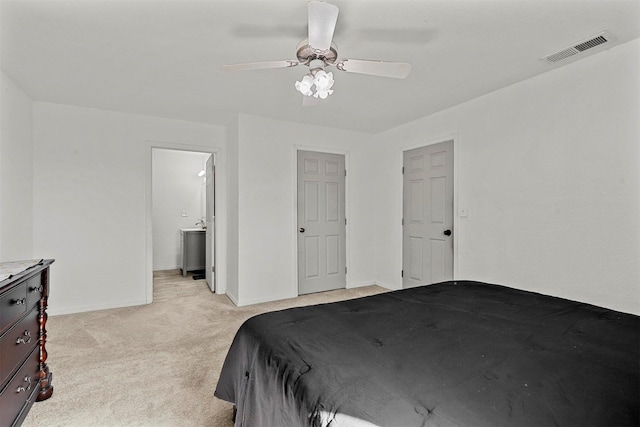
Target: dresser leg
[{"x": 46, "y": 389}]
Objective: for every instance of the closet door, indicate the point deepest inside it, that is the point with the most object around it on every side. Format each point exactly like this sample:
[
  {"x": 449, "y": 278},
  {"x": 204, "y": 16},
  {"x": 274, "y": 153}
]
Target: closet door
[
  {"x": 321, "y": 222},
  {"x": 427, "y": 232}
]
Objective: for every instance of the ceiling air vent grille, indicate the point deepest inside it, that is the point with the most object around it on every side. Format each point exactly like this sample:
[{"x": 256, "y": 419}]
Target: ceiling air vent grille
[{"x": 582, "y": 46}]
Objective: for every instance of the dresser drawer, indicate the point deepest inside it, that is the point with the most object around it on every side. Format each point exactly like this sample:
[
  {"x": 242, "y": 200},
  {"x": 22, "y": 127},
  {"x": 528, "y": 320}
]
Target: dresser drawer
[
  {"x": 20, "y": 392},
  {"x": 17, "y": 342},
  {"x": 34, "y": 288},
  {"x": 13, "y": 304},
  {"x": 24, "y": 374}
]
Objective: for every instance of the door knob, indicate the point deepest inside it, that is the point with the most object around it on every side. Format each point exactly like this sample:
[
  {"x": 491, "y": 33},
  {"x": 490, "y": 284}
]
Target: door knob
[
  {"x": 301, "y": 229},
  {"x": 447, "y": 232}
]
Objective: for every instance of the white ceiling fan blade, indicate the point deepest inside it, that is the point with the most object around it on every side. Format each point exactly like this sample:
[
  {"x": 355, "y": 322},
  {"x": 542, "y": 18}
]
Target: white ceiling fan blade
[
  {"x": 396, "y": 70},
  {"x": 322, "y": 23},
  {"x": 260, "y": 65}
]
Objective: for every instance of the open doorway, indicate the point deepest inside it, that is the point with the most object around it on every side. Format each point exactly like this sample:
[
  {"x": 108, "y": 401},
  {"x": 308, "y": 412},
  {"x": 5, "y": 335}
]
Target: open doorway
[{"x": 182, "y": 220}]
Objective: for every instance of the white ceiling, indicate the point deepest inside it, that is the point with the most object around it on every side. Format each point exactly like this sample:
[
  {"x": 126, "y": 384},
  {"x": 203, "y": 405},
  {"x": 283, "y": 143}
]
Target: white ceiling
[{"x": 163, "y": 57}]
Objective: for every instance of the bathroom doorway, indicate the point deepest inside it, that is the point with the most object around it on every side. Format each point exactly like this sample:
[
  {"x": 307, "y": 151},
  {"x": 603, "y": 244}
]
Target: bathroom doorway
[{"x": 182, "y": 220}]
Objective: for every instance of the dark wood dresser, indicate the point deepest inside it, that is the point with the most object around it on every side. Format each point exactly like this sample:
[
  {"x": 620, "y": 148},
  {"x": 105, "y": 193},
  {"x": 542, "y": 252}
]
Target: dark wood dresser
[{"x": 24, "y": 374}]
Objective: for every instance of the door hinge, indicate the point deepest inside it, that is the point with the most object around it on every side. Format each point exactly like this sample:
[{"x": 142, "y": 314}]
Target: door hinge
[
  {"x": 345, "y": 221},
  {"x": 345, "y": 172},
  {"x": 403, "y": 170},
  {"x": 402, "y": 221},
  {"x": 213, "y": 269},
  {"x": 345, "y": 270},
  {"x": 401, "y": 273}
]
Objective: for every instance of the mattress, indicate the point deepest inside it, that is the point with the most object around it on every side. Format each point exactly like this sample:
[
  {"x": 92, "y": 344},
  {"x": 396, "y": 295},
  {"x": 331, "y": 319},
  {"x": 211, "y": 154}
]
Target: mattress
[{"x": 456, "y": 353}]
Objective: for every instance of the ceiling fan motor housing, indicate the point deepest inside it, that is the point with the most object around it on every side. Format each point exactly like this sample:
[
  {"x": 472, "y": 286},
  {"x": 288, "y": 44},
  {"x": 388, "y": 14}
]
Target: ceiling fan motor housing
[{"x": 306, "y": 53}]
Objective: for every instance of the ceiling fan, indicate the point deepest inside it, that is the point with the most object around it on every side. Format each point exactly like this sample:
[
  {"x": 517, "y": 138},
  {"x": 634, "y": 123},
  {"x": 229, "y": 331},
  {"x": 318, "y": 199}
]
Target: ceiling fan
[{"x": 318, "y": 51}]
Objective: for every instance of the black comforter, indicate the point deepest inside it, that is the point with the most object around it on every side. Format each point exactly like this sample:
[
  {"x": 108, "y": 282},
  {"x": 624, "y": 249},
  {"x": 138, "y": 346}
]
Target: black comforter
[{"x": 450, "y": 354}]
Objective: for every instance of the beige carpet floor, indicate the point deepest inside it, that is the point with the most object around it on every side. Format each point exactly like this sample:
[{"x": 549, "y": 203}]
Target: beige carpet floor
[{"x": 152, "y": 365}]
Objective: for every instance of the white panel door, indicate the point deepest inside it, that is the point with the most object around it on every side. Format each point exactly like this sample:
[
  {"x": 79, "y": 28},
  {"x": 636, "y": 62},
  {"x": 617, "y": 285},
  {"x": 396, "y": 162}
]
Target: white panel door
[
  {"x": 427, "y": 242},
  {"x": 321, "y": 222},
  {"x": 210, "y": 248}
]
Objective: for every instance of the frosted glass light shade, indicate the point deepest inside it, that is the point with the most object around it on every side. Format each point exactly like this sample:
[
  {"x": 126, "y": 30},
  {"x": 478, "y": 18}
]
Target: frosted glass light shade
[{"x": 305, "y": 86}]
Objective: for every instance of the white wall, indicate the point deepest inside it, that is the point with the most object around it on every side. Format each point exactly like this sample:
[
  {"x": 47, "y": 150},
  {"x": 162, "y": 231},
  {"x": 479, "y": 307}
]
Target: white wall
[
  {"x": 91, "y": 184},
  {"x": 176, "y": 188},
  {"x": 233, "y": 192},
  {"x": 267, "y": 221},
  {"x": 16, "y": 173},
  {"x": 549, "y": 170}
]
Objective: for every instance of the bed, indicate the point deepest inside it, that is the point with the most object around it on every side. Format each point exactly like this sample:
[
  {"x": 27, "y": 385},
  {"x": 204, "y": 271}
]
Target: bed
[{"x": 457, "y": 353}]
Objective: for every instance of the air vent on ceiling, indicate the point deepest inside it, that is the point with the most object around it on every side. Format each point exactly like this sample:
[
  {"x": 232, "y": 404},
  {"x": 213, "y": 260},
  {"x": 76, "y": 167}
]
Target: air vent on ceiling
[{"x": 580, "y": 47}]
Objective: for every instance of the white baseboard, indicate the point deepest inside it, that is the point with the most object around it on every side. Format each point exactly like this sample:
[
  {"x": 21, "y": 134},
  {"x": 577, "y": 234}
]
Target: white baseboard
[
  {"x": 264, "y": 299},
  {"x": 384, "y": 285},
  {"x": 177, "y": 267},
  {"x": 233, "y": 298},
  {"x": 53, "y": 311},
  {"x": 361, "y": 285}
]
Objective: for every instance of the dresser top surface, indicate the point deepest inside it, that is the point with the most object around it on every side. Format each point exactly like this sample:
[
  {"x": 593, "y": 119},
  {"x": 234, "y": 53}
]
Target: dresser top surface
[{"x": 15, "y": 270}]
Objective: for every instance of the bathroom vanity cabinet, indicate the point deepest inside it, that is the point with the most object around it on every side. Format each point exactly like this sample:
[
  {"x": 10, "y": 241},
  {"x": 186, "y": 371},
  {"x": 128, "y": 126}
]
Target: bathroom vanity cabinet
[{"x": 192, "y": 243}]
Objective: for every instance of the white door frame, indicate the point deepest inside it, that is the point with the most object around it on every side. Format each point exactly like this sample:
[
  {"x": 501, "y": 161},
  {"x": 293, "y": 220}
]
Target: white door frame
[
  {"x": 294, "y": 208},
  {"x": 456, "y": 161},
  {"x": 210, "y": 233},
  {"x": 149, "y": 211}
]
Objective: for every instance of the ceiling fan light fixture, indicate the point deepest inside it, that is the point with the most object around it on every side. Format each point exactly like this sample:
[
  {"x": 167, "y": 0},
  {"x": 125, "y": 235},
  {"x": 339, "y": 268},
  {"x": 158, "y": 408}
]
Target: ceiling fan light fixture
[
  {"x": 317, "y": 79},
  {"x": 322, "y": 94},
  {"x": 323, "y": 82},
  {"x": 305, "y": 86},
  {"x": 319, "y": 51}
]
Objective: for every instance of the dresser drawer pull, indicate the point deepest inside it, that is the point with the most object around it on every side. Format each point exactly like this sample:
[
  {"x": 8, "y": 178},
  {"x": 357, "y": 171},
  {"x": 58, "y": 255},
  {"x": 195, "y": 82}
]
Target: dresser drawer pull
[
  {"x": 21, "y": 340},
  {"x": 23, "y": 388},
  {"x": 36, "y": 289},
  {"x": 21, "y": 301}
]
